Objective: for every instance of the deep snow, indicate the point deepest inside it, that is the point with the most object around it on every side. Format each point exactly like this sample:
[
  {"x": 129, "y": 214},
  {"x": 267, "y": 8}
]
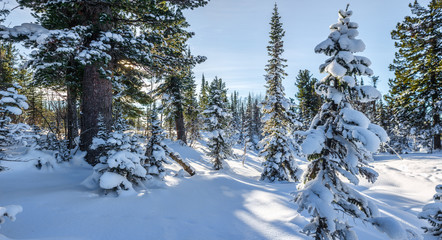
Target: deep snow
[{"x": 226, "y": 204}]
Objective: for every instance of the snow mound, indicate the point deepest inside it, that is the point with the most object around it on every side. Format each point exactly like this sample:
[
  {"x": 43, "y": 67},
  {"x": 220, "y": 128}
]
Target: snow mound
[
  {"x": 9, "y": 211},
  {"x": 389, "y": 226}
]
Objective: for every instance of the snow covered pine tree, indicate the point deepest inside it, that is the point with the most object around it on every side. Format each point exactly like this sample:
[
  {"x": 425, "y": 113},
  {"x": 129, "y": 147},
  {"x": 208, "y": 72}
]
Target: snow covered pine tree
[
  {"x": 121, "y": 158},
  {"x": 277, "y": 147},
  {"x": 157, "y": 151},
  {"x": 11, "y": 103},
  {"x": 433, "y": 213},
  {"x": 340, "y": 143},
  {"x": 217, "y": 119},
  {"x": 155, "y": 148}
]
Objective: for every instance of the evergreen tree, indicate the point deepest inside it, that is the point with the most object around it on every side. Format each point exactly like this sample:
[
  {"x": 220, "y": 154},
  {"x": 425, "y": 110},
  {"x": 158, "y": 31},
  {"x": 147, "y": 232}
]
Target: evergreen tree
[
  {"x": 256, "y": 116},
  {"x": 433, "y": 214},
  {"x": 104, "y": 37},
  {"x": 204, "y": 94},
  {"x": 236, "y": 117},
  {"x": 416, "y": 91},
  {"x": 340, "y": 141},
  {"x": 191, "y": 109},
  {"x": 309, "y": 100},
  {"x": 156, "y": 148},
  {"x": 217, "y": 121},
  {"x": 11, "y": 103},
  {"x": 249, "y": 127},
  {"x": 172, "y": 92},
  {"x": 7, "y": 62},
  {"x": 242, "y": 131},
  {"x": 121, "y": 159},
  {"x": 277, "y": 147}
]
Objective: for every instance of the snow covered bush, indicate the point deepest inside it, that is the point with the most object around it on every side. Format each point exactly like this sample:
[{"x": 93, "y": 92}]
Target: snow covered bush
[
  {"x": 277, "y": 146},
  {"x": 340, "y": 143},
  {"x": 120, "y": 160},
  {"x": 432, "y": 212},
  {"x": 9, "y": 212},
  {"x": 217, "y": 120},
  {"x": 58, "y": 147},
  {"x": 11, "y": 103}
]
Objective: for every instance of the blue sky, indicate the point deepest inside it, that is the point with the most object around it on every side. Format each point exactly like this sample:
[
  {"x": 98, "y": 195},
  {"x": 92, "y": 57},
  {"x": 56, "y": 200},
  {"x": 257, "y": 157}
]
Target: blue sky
[{"x": 233, "y": 35}]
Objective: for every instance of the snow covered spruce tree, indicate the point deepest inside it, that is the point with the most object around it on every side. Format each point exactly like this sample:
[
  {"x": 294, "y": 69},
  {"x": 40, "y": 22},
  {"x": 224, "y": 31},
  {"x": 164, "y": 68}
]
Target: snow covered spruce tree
[
  {"x": 106, "y": 36},
  {"x": 156, "y": 149},
  {"x": 236, "y": 117},
  {"x": 191, "y": 110},
  {"x": 433, "y": 214},
  {"x": 340, "y": 142},
  {"x": 11, "y": 104},
  {"x": 217, "y": 120},
  {"x": 249, "y": 140},
  {"x": 121, "y": 159},
  {"x": 277, "y": 147}
]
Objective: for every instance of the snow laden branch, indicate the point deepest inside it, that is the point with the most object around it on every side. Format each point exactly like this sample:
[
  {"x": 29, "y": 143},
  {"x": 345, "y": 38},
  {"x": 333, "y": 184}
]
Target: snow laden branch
[
  {"x": 340, "y": 143},
  {"x": 9, "y": 212},
  {"x": 26, "y": 31},
  {"x": 432, "y": 212}
]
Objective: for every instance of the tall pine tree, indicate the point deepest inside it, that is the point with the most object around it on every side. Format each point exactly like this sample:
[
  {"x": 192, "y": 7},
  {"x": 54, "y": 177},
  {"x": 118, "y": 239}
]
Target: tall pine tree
[
  {"x": 278, "y": 149},
  {"x": 416, "y": 91}
]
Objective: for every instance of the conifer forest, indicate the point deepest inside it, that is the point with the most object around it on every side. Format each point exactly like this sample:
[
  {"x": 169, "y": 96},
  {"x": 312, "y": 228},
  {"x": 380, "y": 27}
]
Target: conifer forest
[{"x": 115, "y": 124}]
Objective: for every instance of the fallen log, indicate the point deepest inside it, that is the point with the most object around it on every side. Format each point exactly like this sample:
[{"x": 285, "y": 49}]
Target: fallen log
[{"x": 177, "y": 158}]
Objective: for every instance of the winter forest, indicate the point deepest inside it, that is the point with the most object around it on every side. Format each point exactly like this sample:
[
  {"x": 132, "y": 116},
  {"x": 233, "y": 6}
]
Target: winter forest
[{"x": 106, "y": 132}]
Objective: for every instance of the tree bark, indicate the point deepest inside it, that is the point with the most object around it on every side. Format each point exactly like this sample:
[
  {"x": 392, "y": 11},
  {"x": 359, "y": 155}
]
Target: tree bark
[
  {"x": 436, "y": 137},
  {"x": 72, "y": 118},
  {"x": 96, "y": 96},
  {"x": 181, "y": 162},
  {"x": 180, "y": 127},
  {"x": 96, "y": 100}
]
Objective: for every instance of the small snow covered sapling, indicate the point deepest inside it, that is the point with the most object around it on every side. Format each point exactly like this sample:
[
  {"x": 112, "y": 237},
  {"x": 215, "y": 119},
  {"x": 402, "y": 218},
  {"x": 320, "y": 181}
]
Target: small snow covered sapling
[
  {"x": 340, "y": 143},
  {"x": 157, "y": 152},
  {"x": 120, "y": 160},
  {"x": 58, "y": 148},
  {"x": 156, "y": 149},
  {"x": 432, "y": 212}
]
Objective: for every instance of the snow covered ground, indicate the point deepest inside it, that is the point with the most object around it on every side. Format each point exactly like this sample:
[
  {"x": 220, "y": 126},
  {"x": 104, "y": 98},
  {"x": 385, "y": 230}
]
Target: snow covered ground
[{"x": 226, "y": 204}]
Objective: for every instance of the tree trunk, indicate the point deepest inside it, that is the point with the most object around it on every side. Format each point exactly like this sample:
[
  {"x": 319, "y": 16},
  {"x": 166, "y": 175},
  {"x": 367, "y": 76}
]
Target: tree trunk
[
  {"x": 72, "y": 118},
  {"x": 436, "y": 137},
  {"x": 180, "y": 127},
  {"x": 96, "y": 100}
]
